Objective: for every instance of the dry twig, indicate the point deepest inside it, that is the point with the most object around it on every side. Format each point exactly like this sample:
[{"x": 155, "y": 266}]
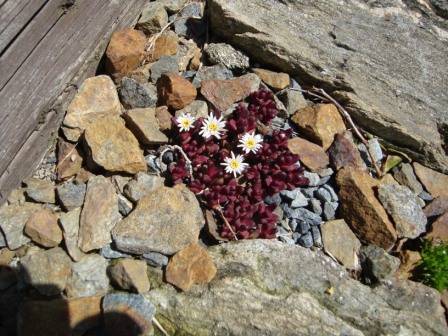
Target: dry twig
[
  {"x": 178, "y": 148},
  {"x": 158, "y": 325},
  {"x": 225, "y": 221}
]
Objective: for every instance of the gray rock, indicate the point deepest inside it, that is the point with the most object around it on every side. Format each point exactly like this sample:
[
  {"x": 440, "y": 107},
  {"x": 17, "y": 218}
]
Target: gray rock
[
  {"x": 218, "y": 71},
  {"x": 225, "y": 54},
  {"x": 273, "y": 199},
  {"x": 325, "y": 172},
  {"x": 289, "y": 195},
  {"x": 404, "y": 174},
  {"x": 70, "y": 228},
  {"x": 313, "y": 178},
  {"x": 378, "y": 264},
  {"x": 293, "y": 101},
  {"x": 88, "y": 277},
  {"x": 375, "y": 148},
  {"x": 153, "y": 18},
  {"x": 296, "y": 236},
  {"x": 153, "y": 164},
  {"x": 323, "y": 180},
  {"x": 272, "y": 279},
  {"x": 289, "y": 212},
  {"x": 315, "y": 206},
  {"x": 141, "y": 184},
  {"x": 165, "y": 64},
  {"x": 137, "y": 95},
  {"x": 328, "y": 211},
  {"x": 195, "y": 9},
  {"x": 317, "y": 237},
  {"x": 308, "y": 192},
  {"x": 173, "y": 6},
  {"x": 287, "y": 240},
  {"x": 406, "y": 110},
  {"x": 71, "y": 195},
  {"x": 165, "y": 221},
  {"x": 309, "y": 217},
  {"x": 12, "y": 221},
  {"x": 306, "y": 240},
  {"x": 426, "y": 196},
  {"x": 303, "y": 227},
  {"x": 47, "y": 271},
  {"x": 138, "y": 309},
  {"x": 292, "y": 223},
  {"x": 323, "y": 195},
  {"x": 155, "y": 259},
  {"x": 198, "y": 109},
  {"x": 124, "y": 206},
  {"x": 404, "y": 208},
  {"x": 189, "y": 27},
  {"x": 334, "y": 196},
  {"x": 299, "y": 201},
  {"x": 110, "y": 251}
]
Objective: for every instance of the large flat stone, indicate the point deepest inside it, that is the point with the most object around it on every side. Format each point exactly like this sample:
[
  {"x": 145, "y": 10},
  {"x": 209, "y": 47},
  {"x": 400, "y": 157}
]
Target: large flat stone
[{"x": 383, "y": 59}]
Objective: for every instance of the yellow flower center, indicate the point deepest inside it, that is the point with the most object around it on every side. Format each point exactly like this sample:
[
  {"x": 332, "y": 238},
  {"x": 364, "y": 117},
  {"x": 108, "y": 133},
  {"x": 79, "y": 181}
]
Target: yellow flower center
[
  {"x": 250, "y": 143},
  {"x": 234, "y": 164},
  {"x": 186, "y": 123},
  {"x": 213, "y": 127}
]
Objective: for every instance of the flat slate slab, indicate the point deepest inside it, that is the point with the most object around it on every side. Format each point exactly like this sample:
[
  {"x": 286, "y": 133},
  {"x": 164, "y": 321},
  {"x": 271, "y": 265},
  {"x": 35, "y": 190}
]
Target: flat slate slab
[
  {"x": 384, "y": 60},
  {"x": 46, "y": 50}
]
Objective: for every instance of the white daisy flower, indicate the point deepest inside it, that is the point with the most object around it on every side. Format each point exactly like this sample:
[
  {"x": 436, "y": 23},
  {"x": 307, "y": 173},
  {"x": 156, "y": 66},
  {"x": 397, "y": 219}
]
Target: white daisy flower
[
  {"x": 250, "y": 142},
  {"x": 212, "y": 126},
  {"x": 234, "y": 164},
  {"x": 185, "y": 122}
]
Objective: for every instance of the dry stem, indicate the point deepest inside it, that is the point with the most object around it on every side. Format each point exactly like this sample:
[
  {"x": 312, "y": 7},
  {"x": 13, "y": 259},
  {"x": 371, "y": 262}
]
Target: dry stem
[
  {"x": 158, "y": 325},
  {"x": 225, "y": 221},
  {"x": 176, "y": 147}
]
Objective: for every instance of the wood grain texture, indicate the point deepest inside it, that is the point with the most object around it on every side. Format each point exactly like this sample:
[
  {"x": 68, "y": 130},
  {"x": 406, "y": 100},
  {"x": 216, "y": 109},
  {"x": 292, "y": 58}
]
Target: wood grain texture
[{"x": 66, "y": 47}]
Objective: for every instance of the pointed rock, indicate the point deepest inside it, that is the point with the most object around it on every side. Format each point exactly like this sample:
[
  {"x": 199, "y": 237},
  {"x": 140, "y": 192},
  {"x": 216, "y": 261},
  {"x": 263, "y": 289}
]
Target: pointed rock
[
  {"x": 114, "y": 147},
  {"x": 125, "y": 52},
  {"x": 13, "y": 220},
  {"x": 435, "y": 182},
  {"x": 175, "y": 91},
  {"x": 47, "y": 271},
  {"x": 165, "y": 221},
  {"x": 166, "y": 44},
  {"x": 96, "y": 98},
  {"x": 320, "y": 122},
  {"x": 361, "y": 209},
  {"x": 42, "y": 227},
  {"x": 163, "y": 117},
  {"x": 223, "y": 53},
  {"x": 70, "y": 226},
  {"x": 192, "y": 265},
  {"x": 341, "y": 242},
  {"x": 99, "y": 214},
  {"x": 378, "y": 264},
  {"x": 88, "y": 277},
  {"x": 311, "y": 155},
  {"x": 71, "y": 195},
  {"x": 69, "y": 159},
  {"x": 439, "y": 229},
  {"x": 145, "y": 126},
  {"x": 130, "y": 274},
  {"x": 59, "y": 317},
  {"x": 404, "y": 174},
  {"x": 218, "y": 71},
  {"x": 344, "y": 153},
  {"x": 41, "y": 191},
  {"x": 437, "y": 207},
  {"x": 127, "y": 314},
  {"x": 141, "y": 184},
  {"x": 275, "y": 80},
  {"x": 223, "y": 93},
  {"x": 153, "y": 18},
  {"x": 135, "y": 95}
]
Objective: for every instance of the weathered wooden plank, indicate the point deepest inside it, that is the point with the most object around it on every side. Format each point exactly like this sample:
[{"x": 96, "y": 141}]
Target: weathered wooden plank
[
  {"x": 14, "y": 16},
  {"x": 13, "y": 58},
  {"x": 69, "y": 53}
]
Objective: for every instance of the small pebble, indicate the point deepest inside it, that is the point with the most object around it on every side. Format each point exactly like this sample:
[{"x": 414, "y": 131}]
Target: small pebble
[{"x": 312, "y": 177}]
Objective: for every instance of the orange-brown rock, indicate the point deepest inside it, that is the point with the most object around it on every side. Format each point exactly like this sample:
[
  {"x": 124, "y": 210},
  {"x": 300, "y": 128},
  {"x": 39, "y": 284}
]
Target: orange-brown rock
[
  {"x": 112, "y": 146},
  {"x": 362, "y": 210},
  {"x": 311, "y": 155},
  {"x": 409, "y": 261},
  {"x": 192, "y": 265},
  {"x": 276, "y": 80},
  {"x": 144, "y": 125},
  {"x": 436, "y": 183},
  {"x": 125, "y": 52},
  {"x": 130, "y": 274},
  {"x": 42, "y": 227},
  {"x": 439, "y": 229},
  {"x": 343, "y": 152},
  {"x": 175, "y": 91},
  {"x": 319, "y": 122},
  {"x": 97, "y": 97},
  {"x": 59, "y": 316},
  {"x": 166, "y": 44},
  {"x": 163, "y": 117},
  {"x": 222, "y": 93},
  {"x": 69, "y": 159}
]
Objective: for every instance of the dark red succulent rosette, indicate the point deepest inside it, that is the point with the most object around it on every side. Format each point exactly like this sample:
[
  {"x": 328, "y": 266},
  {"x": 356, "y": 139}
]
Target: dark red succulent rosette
[{"x": 271, "y": 169}]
